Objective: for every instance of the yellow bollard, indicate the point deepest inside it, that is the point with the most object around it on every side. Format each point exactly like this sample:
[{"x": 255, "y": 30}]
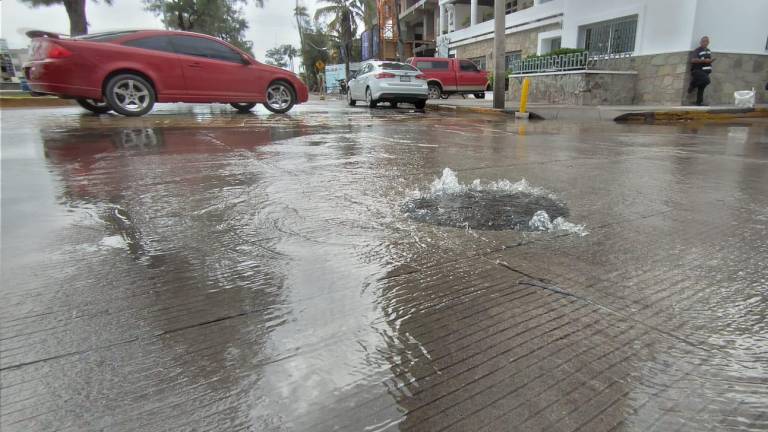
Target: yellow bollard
[{"x": 524, "y": 95}]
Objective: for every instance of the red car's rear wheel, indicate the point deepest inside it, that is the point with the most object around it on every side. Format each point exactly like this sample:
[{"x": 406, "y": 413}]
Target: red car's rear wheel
[{"x": 130, "y": 95}]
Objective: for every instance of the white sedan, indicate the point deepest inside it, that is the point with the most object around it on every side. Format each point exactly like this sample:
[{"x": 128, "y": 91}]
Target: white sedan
[{"x": 388, "y": 81}]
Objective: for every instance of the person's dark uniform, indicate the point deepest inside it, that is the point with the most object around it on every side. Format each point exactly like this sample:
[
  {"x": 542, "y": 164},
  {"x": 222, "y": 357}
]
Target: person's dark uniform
[{"x": 700, "y": 73}]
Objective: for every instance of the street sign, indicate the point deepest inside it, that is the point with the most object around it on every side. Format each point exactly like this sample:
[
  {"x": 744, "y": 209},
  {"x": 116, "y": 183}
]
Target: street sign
[{"x": 319, "y": 66}]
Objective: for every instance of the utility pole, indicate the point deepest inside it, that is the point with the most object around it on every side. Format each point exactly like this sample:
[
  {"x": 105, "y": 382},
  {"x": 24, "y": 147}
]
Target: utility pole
[{"x": 499, "y": 70}]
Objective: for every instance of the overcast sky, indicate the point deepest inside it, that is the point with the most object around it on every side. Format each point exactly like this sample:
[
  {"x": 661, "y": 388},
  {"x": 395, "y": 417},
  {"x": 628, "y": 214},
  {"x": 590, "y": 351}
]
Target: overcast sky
[{"x": 273, "y": 25}]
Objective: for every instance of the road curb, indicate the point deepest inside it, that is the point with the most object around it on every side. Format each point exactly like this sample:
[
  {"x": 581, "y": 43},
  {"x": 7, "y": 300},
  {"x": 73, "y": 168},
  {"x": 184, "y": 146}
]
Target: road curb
[
  {"x": 627, "y": 117},
  {"x": 34, "y": 102},
  {"x": 478, "y": 110},
  {"x": 673, "y": 116}
]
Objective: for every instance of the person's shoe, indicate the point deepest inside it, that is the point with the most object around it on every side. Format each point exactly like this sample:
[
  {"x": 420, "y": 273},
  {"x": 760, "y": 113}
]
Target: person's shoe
[{"x": 701, "y": 104}]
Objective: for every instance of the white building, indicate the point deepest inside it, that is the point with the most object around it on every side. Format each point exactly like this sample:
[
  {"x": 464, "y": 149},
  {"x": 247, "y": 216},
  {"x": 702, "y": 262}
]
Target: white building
[{"x": 658, "y": 34}]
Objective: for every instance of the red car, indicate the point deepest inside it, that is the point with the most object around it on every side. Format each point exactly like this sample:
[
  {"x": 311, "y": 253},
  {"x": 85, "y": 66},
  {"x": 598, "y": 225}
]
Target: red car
[
  {"x": 129, "y": 71},
  {"x": 446, "y": 76}
]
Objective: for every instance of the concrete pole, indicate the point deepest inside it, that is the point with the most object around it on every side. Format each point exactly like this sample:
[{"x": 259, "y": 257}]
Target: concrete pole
[
  {"x": 473, "y": 12},
  {"x": 499, "y": 71},
  {"x": 442, "y": 20}
]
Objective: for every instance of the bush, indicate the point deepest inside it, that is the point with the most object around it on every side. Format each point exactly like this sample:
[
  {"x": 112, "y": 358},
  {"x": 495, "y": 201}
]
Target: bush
[{"x": 557, "y": 52}]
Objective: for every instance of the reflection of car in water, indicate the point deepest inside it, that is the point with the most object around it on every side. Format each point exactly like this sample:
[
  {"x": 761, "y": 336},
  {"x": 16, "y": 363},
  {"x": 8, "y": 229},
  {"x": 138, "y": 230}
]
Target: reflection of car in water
[
  {"x": 86, "y": 147},
  {"x": 128, "y": 71}
]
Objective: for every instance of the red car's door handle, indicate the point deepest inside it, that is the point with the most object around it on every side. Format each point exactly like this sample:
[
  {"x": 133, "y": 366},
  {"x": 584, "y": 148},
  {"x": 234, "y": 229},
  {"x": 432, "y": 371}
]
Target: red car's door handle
[{"x": 195, "y": 65}]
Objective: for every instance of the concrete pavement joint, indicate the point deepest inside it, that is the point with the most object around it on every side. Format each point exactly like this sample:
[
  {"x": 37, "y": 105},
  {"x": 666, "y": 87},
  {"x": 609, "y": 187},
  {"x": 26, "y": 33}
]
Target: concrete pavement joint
[{"x": 714, "y": 348}]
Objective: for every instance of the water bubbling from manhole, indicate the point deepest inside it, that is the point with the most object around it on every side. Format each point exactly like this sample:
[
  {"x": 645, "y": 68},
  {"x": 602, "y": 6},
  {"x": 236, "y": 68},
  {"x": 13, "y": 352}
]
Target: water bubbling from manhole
[{"x": 499, "y": 205}]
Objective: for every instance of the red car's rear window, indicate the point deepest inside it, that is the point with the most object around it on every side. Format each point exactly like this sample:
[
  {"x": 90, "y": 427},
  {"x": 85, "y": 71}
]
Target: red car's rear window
[{"x": 104, "y": 37}]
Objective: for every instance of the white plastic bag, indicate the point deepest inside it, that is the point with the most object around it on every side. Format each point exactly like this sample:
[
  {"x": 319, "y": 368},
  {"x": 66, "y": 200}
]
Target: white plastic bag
[{"x": 744, "y": 98}]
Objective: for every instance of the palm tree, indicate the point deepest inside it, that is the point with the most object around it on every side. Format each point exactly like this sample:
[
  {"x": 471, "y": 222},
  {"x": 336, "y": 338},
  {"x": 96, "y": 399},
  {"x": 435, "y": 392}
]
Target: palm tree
[
  {"x": 370, "y": 14},
  {"x": 343, "y": 15},
  {"x": 291, "y": 52},
  {"x": 301, "y": 14}
]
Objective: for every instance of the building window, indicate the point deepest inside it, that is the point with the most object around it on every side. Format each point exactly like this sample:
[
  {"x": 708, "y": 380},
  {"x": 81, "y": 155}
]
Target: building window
[
  {"x": 512, "y": 6},
  {"x": 554, "y": 44},
  {"x": 511, "y": 57},
  {"x": 479, "y": 61},
  {"x": 610, "y": 37}
]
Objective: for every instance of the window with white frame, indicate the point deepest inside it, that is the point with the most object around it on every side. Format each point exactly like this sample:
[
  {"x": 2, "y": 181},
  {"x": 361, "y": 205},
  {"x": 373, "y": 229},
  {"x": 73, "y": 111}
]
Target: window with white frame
[
  {"x": 480, "y": 62},
  {"x": 510, "y": 57},
  {"x": 610, "y": 37}
]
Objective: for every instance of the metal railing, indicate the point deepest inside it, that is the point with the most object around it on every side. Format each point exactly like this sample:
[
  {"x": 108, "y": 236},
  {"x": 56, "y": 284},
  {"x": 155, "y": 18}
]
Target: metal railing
[
  {"x": 566, "y": 62},
  {"x": 550, "y": 64}
]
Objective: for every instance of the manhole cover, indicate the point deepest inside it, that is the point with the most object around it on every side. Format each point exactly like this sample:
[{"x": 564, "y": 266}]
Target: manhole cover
[{"x": 500, "y": 205}]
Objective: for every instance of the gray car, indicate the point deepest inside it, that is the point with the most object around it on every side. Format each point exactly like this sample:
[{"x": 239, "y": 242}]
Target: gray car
[{"x": 388, "y": 81}]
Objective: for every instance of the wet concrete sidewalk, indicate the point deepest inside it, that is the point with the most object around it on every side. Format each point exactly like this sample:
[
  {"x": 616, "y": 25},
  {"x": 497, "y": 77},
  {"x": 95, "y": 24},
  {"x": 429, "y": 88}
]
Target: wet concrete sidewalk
[
  {"x": 610, "y": 113},
  {"x": 201, "y": 270}
]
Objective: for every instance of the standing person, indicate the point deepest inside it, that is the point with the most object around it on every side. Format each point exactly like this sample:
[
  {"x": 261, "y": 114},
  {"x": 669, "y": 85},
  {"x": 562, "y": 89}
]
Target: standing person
[{"x": 701, "y": 67}]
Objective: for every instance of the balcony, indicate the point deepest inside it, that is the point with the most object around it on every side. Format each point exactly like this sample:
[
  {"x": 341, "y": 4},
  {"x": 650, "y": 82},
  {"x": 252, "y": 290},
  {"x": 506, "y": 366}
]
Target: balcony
[{"x": 523, "y": 16}]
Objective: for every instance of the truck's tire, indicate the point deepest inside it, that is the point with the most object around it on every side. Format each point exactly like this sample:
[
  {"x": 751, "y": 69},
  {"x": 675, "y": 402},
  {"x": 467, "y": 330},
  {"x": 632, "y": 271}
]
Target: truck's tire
[{"x": 435, "y": 92}]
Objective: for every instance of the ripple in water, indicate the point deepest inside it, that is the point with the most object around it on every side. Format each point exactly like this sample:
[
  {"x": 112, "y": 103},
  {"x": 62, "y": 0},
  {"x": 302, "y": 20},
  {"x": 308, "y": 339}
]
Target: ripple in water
[{"x": 500, "y": 205}]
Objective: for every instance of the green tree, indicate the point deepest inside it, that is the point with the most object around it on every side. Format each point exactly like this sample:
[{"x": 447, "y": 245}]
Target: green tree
[
  {"x": 290, "y": 52},
  {"x": 78, "y": 24},
  {"x": 343, "y": 16},
  {"x": 302, "y": 20},
  {"x": 314, "y": 49},
  {"x": 223, "y": 19},
  {"x": 276, "y": 57},
  {"x": 370, "y": 13}
]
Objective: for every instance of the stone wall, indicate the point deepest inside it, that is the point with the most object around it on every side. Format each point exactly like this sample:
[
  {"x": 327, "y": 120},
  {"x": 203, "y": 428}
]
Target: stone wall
[
  {"x": 577, "y": 88},
  {"x": 527, "y": 42},
  {"x": 731, "y": 72},
  {"x": 662, "y": 79}
]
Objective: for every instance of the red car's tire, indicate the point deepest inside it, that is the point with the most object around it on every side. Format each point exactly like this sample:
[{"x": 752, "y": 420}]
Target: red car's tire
[
  {"x": 130, "y": 95},
  {"x": 244, "y": 107},
  {"x": 280, "y": 97},
  {"x": 94, "y": 106}
]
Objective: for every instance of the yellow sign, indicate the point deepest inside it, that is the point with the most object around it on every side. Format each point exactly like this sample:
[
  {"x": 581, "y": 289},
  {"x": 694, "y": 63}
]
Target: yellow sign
[{"x": 320, "y": 66}]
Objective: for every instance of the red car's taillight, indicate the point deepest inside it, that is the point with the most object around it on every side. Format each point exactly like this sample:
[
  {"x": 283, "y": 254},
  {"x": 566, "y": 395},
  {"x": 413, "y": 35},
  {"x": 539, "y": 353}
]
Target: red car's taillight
[
  {"x": 383, "y": 75},
  {"x": 57, "y": 51}
]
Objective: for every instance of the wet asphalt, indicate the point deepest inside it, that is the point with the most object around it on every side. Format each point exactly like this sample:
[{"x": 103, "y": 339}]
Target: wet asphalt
[{"x": 198, "y": 269}]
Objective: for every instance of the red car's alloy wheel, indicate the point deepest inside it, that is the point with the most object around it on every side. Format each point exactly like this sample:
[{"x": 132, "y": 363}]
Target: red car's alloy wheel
[
  {"x": 280, "y": 98},
  {"x": 130, "y": 95}
]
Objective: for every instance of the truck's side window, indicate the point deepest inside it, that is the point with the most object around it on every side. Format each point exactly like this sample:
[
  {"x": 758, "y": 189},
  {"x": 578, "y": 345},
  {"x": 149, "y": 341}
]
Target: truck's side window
[
  {"x": 432, "y": 65},
  {"x": 467, "y": 66}
]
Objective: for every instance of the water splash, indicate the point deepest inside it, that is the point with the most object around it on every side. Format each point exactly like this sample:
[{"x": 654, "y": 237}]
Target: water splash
[
  {"x": 491, "y": 206},
  {"x": 541, "y": 222}
]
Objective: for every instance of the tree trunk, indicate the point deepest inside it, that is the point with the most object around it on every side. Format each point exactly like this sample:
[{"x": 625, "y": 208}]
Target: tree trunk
[
  {"x": 78, "y": 25},
  {"x": 400, "y": 42},
  {"x": 347, "y": 43},
  {"x": 298, "y": 25}
]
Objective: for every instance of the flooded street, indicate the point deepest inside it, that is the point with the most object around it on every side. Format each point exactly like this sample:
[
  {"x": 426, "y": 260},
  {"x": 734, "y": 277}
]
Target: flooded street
[{"x": 347, "y": 269}]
